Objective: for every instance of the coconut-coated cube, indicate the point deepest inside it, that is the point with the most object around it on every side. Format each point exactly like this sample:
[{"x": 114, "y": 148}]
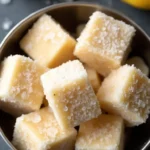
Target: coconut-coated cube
[
  {"x": 40, "y": 131},
  {"x": 103, "y": 133},
  {"x": 104, "y": 43},
  {"x": 48, "y": 43},
  {"x": 20, "y": 86},
  {"x": 126, "y": 92},
  {"x": 93, "y": 77},
  {"x": 70, "y": 95}
]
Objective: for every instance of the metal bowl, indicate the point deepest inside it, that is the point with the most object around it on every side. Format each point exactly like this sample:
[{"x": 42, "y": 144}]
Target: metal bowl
[{"x": 69, "y": 16}]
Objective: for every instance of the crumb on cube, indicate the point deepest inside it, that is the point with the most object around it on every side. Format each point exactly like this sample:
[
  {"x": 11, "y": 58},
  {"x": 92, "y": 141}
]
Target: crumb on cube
[
  {"x": 104, "y": 43},
  {"x": 40, "y": 131},
  {"x": 20, "y": 86},
  {"x": 70, "y": 95},
  {"x": 103, "y": 133},
  {"x": 48, "y": 43},
  {"x": 126, "y": 92}
]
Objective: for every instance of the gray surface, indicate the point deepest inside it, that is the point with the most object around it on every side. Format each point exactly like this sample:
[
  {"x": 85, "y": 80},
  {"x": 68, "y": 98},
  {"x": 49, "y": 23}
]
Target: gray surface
[{"x": 19, "y": 9}]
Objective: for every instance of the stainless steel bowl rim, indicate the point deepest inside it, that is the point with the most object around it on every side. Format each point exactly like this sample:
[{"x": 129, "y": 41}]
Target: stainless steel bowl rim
[{"x": 55, "y": 6}]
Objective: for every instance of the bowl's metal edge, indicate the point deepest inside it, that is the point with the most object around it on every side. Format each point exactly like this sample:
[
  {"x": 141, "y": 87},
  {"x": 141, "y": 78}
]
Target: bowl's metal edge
[
  {"x": 55, "y": 6},
  {"x": 146, "y": 145},
  {"x": 9, "y": 144}
]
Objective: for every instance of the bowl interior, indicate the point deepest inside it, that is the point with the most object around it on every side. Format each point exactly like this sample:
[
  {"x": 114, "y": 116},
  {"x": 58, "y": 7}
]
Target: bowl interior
[{"x": 69, "y": 16}]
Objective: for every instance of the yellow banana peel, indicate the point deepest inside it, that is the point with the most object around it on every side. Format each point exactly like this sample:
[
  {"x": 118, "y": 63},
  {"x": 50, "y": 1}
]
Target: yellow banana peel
[{"x": 142, "y": 4}]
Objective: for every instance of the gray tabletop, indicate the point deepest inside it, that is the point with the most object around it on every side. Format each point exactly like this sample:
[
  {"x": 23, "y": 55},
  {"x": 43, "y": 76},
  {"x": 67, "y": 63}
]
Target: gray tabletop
[{"x": 18, "y": 9}]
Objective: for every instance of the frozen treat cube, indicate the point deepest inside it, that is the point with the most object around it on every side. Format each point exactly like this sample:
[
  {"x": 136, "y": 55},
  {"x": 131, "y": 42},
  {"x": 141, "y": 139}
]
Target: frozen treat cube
[
  {"x": 20, "y": 86},
  {"x": 70, "y": 95},
  {"x": 126, "y": 92},
  {"x": 40, "y": 131},
  {"x": 104, "y": 43},
  {"x": 48, "y": 43},
  {"x": 103, "y": 133},
  {"x": 93, "y": 77}
]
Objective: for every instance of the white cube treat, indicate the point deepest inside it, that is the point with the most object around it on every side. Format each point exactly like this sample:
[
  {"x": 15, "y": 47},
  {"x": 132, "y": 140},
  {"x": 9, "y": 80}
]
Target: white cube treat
[
  {"x": 70, "y": 95},
  {"x": 104, "y": 43},
  {"x": 126, "y": 92},
  {"x": 103, "y": 133},
  {"x": 20, "y": 86},
  {"x": 94, "y": 78},
  {"x": 48, "y": 43},
  {"x": 40, "y": 131}
]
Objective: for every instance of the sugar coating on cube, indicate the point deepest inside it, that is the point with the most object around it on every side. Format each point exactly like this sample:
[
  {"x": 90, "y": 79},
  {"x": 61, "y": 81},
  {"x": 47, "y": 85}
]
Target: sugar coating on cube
[
  {"x": 103, "y": 133},
  {"x": 40, "y": 131},
  {"x": 93, "y": 77},
  {"x": 48, "y": 43},
  {"x": 104, "y": 43},
  {"x": 139, "y": 63},
  {"x": 70, "y": 95},
  {"x": 20, "y": 86},
  {"x": 126, "y": 92}
]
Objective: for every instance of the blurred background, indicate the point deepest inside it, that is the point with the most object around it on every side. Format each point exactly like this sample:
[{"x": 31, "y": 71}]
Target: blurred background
[{"x": 12, "y": 11}]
